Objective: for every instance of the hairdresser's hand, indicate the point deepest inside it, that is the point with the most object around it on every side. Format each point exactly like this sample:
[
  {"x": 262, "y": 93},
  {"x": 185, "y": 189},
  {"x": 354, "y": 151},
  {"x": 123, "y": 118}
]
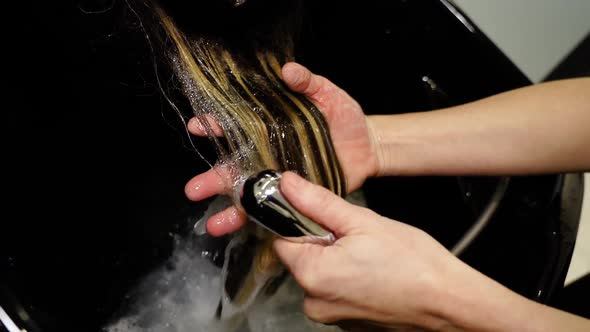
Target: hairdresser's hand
[
  {"x": 391, "y": 276},
  {"x": 379, "y": 270},
  {"x": 349, "y": 131}
]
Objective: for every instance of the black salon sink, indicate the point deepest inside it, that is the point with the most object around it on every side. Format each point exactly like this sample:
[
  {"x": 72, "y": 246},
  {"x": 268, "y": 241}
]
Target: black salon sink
[{"x": 97, "y": 160}]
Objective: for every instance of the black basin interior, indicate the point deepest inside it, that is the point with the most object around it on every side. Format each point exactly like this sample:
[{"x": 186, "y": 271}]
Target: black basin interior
[{"x": 97, "y": 159}]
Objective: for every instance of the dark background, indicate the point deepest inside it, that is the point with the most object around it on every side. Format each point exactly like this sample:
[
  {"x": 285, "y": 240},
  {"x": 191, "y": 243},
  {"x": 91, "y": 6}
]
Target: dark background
[{"x": 95, "y": 159}]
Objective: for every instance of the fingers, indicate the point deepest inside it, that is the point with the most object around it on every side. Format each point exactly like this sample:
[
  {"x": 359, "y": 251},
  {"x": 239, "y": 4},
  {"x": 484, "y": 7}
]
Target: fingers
[
  {"x": 299, "y": 259},
  {"x": 211, "y": 183},
  {"x": 197, "y": 127},
  {"x": 300, "y": 79},
  {"x": 320, "y": 204},
  {"x": 226, "y": 221},
  {"x": 208, "y": 184},
  {"x": 316, "y": 88},
  {"x": 320, "y": 311}
]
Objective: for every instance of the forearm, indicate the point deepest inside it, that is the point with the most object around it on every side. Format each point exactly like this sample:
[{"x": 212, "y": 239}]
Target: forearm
[
  {"x": 538, "y": 129},
  {"x": 470, "y": 301}
]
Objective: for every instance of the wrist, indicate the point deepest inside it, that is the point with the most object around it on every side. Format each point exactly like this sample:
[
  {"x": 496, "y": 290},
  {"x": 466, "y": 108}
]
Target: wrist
[
  {"x": 397, "y": 148},
  {"x": 381, "y": 155},
  {"x": 436, "y": 301},
  {"x": 467, "y": 300}
]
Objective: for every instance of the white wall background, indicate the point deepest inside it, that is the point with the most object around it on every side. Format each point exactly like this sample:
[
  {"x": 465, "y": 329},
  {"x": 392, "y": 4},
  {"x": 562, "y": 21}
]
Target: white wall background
[{"x": 536, "y": 35}]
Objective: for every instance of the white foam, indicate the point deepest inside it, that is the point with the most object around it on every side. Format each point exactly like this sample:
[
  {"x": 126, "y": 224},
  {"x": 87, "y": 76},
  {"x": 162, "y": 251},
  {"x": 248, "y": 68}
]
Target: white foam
[{"x": 183, "y": 297}]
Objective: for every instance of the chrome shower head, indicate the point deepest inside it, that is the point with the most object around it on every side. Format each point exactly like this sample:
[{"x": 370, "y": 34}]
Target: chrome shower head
[{"x": 263, "y": 202}]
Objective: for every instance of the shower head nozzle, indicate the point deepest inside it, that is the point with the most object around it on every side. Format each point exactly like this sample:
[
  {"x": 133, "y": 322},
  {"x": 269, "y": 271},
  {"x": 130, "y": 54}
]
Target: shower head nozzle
[{"x": 265, "y": 205}]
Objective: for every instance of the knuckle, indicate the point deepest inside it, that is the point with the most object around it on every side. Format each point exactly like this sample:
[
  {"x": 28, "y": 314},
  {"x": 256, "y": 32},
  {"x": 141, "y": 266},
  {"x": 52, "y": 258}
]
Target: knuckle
[
  {"x": 315, "y": 280},
  {"x": 308, "y": 280},
  {"x": 315, "y": 311}
]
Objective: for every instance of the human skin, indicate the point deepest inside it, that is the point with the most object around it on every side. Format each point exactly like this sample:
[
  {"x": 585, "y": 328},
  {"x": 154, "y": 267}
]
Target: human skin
[
  {"x": 542, "y": 128},
  {"x": 390, "y": 275},
  {"x": 537, "y": 129},
  {"x": 349, "y": 130},
  {"x": 396, "y": 275}
]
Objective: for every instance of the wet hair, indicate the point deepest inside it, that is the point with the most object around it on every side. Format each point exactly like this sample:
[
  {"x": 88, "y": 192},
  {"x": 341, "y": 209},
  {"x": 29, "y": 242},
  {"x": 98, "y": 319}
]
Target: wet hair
[{"x": 227, "y": 57}]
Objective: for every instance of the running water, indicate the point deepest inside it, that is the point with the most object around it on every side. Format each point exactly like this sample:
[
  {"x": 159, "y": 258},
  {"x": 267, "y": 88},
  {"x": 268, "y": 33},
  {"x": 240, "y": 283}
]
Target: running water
[{"x": 183, "y": 296}]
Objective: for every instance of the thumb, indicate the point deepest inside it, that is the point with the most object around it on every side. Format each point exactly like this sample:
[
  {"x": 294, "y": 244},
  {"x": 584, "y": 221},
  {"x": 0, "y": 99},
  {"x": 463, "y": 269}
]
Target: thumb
[
  {"x": 320, "y": 204},
  {"x": 300, "y": 79}
]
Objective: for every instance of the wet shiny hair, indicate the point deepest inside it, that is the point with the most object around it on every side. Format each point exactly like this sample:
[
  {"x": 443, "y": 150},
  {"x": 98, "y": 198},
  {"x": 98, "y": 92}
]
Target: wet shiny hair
[{"x": 227, "y": 56}]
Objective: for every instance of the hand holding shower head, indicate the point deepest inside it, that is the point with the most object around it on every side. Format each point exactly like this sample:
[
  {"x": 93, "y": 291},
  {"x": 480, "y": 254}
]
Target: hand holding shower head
[{"x": 266, "y": 206}]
